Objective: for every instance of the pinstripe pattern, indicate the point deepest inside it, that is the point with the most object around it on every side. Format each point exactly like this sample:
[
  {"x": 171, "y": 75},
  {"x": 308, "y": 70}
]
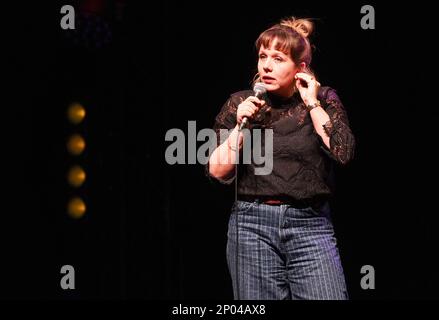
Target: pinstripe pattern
[{"x": 284, "y": 253}]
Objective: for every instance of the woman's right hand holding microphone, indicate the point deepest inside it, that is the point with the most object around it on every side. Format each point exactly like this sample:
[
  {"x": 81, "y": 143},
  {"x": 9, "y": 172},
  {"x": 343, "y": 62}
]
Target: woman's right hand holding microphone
[{"x": 248, "y": 108}]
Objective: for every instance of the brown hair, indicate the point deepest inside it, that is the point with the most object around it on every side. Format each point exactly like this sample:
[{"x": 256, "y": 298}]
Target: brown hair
[{"x": 291, "y": 35}]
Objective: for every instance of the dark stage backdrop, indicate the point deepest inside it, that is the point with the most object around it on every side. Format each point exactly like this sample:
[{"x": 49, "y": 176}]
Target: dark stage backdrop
[{"x": 158, "y": 231}]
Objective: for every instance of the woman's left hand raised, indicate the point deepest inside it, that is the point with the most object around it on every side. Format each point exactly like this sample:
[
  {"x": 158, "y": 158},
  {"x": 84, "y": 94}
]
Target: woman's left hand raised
[{"x": 308, "y": 92}]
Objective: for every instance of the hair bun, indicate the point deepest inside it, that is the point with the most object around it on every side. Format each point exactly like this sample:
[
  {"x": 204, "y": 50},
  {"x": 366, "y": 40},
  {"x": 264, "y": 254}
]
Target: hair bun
[{"x": 304, "y": 27}]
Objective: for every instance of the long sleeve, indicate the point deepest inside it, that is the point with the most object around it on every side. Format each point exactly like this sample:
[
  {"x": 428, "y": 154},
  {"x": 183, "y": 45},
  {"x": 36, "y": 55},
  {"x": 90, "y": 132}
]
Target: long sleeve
[
  {"x": 341, "y": 139},
  {"x": 300, "y": 159},
  {"x": 225, "y": 120}
]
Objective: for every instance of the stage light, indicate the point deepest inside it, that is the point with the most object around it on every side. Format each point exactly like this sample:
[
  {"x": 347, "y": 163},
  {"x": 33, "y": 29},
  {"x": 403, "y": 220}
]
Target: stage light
[
  {"x": 76, "y": 176},
  {"x": 76, "y": 113},
  {"x": 76, "y": 208},
  {"x": 76, "y": 144}
]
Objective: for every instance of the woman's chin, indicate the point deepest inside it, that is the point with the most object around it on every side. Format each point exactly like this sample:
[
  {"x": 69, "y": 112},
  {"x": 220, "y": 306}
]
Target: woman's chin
[{"x": 271, "y": 87}]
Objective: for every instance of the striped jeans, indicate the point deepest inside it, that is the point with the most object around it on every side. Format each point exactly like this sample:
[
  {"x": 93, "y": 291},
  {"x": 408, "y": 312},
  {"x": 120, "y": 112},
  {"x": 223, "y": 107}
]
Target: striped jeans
[{"x": 284, "y": 253}]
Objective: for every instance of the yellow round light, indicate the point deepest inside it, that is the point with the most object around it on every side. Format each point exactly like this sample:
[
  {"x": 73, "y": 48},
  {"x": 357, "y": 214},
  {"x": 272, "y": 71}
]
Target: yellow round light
[
  {"x": 76, "y": 176},
  {"x": 76, "y": 208},
  {"x": 76, "y": 113},
  {"x": 76, "y": 144}
]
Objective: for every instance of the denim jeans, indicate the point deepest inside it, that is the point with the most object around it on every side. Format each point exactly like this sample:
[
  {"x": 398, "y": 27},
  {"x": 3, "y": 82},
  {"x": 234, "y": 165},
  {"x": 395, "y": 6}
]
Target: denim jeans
[{"x": 284, "y": 253}]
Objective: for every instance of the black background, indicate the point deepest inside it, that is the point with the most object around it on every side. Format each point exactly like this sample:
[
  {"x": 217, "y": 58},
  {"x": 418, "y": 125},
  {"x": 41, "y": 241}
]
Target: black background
[{"x": 156, "y": 231}]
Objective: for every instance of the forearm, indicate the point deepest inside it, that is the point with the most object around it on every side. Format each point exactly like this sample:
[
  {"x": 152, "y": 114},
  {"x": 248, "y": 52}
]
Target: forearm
[
  {"x": 335, "y": 133},
  {"x": 223, "y": 159},
  {"x": 319, "y": 118}
]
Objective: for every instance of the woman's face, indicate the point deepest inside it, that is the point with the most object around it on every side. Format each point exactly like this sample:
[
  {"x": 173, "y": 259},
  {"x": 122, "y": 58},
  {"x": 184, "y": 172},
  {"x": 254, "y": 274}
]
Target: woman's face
[{"x": 277, "y": 70}]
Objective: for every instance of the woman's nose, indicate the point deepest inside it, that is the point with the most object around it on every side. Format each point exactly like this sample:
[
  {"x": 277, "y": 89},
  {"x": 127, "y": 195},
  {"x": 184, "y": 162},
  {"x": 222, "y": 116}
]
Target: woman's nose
[{"x": 267, "y": 66}]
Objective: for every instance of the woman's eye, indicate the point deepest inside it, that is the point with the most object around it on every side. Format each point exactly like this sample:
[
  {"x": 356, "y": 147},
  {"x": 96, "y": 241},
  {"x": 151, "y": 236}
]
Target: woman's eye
[{"x": 279, "y": 59}]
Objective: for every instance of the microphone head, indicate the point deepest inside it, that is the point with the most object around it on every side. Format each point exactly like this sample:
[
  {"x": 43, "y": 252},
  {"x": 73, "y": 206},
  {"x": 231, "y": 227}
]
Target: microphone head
[{"x": 259, "y": 89}]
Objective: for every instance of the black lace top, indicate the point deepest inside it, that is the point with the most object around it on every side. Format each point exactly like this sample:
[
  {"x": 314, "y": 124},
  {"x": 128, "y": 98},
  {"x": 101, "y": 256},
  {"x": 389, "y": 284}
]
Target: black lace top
[{"x": 301, "y": 161}]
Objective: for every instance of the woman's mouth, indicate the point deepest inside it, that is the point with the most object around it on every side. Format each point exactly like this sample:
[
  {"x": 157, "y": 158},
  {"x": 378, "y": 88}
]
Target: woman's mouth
[{"x": 268, "y": 79}]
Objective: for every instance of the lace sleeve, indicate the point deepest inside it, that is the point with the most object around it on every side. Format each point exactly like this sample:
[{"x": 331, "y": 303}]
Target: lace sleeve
[
  {"x": 225, "y": 120},
  {"x": 341, "y": 139}
]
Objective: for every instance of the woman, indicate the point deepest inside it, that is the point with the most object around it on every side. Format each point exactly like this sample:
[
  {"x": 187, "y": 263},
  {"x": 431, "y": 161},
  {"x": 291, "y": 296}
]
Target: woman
[{"x": 281, "y": 242}]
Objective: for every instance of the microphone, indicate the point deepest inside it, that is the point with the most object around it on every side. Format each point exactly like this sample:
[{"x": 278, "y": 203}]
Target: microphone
[{"x": 259, "y": 89}]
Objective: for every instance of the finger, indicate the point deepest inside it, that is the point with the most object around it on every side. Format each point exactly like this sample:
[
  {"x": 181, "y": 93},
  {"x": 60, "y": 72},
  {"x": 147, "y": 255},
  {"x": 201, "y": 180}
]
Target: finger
[
  {"x": 248, "y": 114},
  {"x": 253, "y": 99},
  {"x": 254, "y": 106},
  {"x": 304, "y": 76},
  {"x": 253, "y": 109},
  {"x": 301, "y": 75},
  {"x": 246, "y": 109},
  {"x": 248, "y": 105}
]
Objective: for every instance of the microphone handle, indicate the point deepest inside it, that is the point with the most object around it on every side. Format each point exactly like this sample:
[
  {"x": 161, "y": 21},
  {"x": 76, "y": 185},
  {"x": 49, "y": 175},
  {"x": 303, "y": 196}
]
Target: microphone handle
[{"x": 243, "y": 123}]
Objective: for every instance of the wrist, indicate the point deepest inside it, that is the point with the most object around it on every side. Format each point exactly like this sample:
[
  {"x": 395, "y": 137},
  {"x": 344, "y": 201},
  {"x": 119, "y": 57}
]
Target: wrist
[
  {"x": 231, "y": 143},
  {"x": 312, "y": 104}
]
